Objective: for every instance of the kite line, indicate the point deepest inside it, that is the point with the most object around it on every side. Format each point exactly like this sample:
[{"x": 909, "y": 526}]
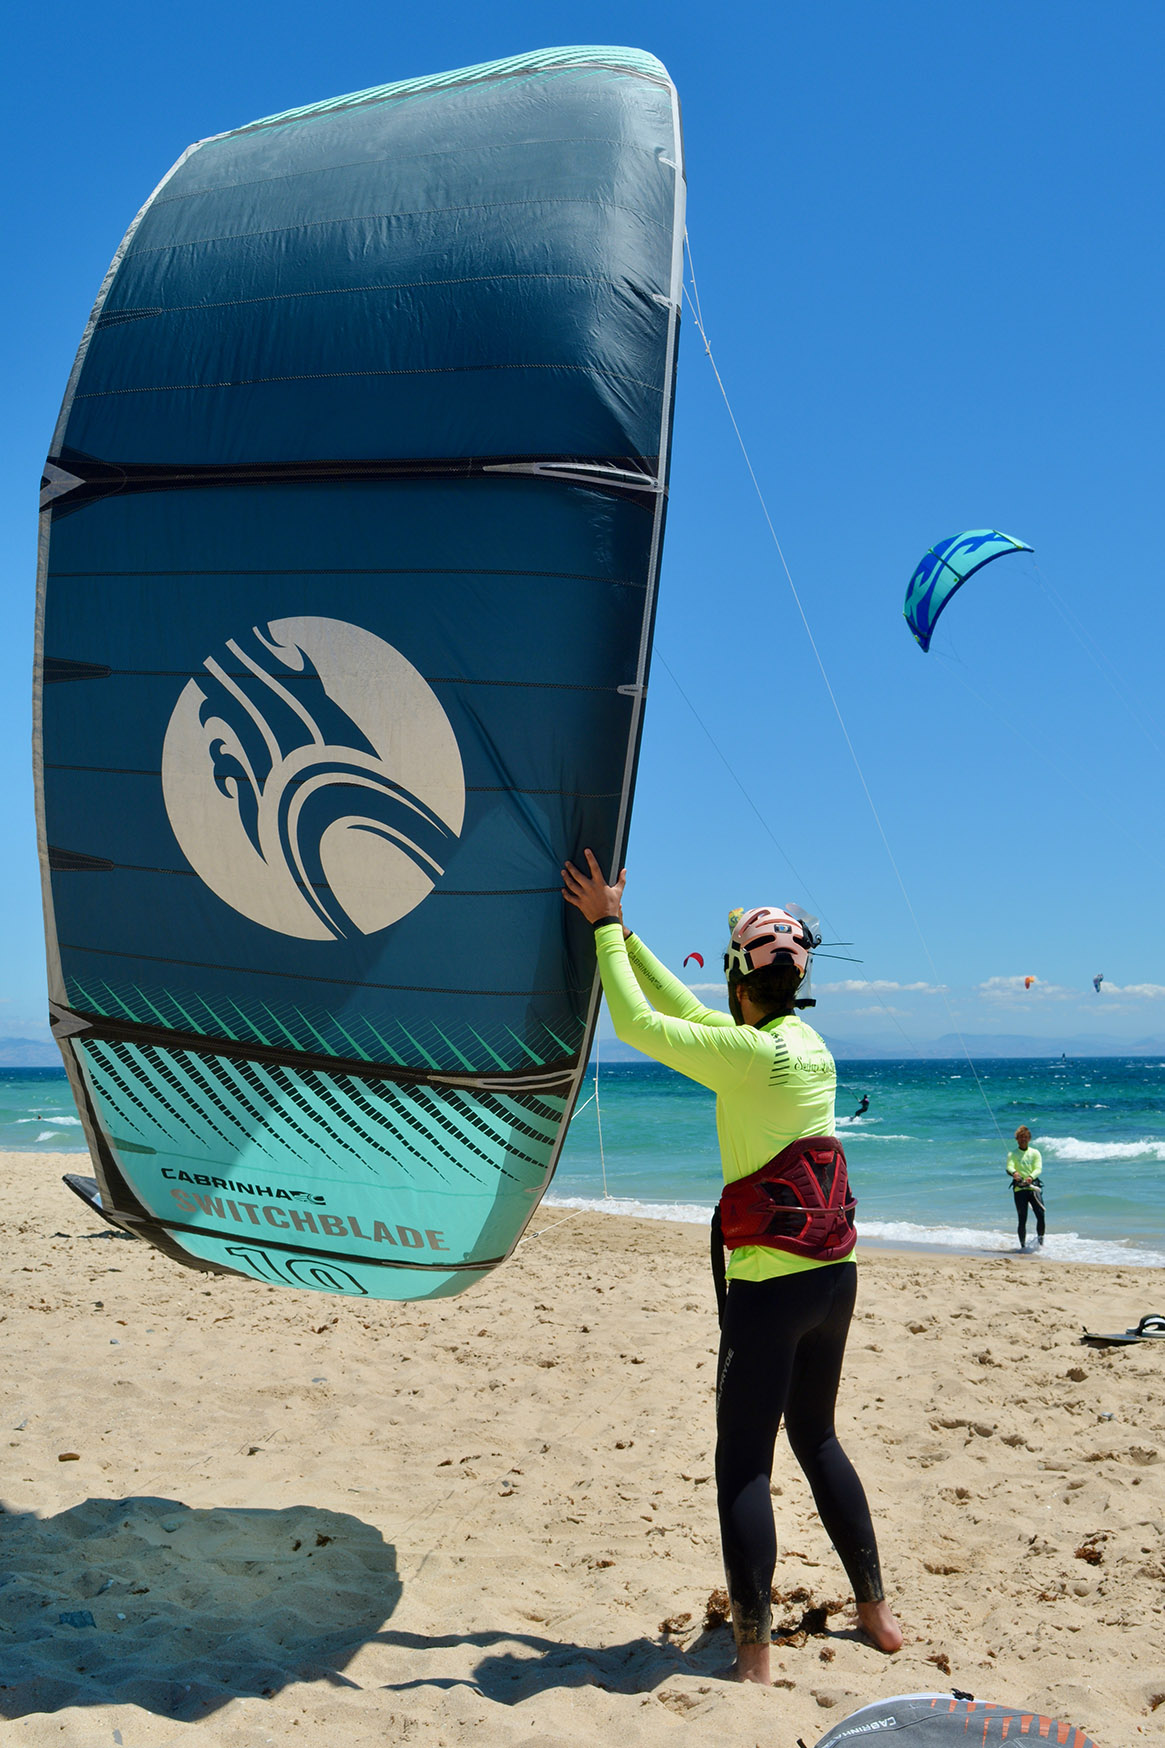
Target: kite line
[{"x": 693, "y": 298}]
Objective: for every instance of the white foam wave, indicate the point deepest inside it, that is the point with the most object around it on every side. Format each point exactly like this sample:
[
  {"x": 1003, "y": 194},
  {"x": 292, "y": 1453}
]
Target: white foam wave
[
  {"x": 1067, "y": 1147},
  {"x": 686, "y": 1213},
  {"x": 1058, "y": 1247},
  {"x": 57, "y": 1122},
  {"x": 889, "y": 1137}
]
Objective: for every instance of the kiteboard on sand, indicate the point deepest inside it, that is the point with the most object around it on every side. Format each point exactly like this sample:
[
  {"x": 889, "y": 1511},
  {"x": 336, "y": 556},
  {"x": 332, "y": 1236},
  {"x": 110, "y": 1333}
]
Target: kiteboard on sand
[
  {"x": 351, "y": 529},
  {"x": 939, "y": 1720}
]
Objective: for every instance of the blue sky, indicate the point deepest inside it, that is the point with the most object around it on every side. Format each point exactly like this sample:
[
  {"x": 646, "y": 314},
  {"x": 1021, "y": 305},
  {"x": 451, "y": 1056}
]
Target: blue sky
[{"x": 926, "y": 239}]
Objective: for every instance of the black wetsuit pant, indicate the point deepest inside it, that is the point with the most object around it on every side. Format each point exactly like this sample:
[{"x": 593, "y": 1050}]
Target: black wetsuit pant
[
  {"x": 781, "y": 1350},
  {"x": 1031, "y": 1197}
]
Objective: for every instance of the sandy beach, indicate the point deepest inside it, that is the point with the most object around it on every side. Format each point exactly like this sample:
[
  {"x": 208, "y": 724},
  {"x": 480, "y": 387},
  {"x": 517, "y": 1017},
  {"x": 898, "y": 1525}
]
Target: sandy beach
[{"x": 239, "y": 1515}]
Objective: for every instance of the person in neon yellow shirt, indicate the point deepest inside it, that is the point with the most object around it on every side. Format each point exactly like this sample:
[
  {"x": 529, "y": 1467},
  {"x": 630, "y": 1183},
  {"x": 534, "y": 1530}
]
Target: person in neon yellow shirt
[
  {"x": 786, "y": 1316},
  {"x": 1024, "y": 1165}
]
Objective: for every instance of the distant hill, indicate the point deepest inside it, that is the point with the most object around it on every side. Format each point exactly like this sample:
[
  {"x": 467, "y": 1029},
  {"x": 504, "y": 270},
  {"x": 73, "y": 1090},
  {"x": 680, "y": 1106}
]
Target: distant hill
[
  {"x": 950, "y": 1047},
  {"x": 28, "y": 1053},
  {"x": 33, "y": 1053},
  {"x": 996, "y": 1044}
]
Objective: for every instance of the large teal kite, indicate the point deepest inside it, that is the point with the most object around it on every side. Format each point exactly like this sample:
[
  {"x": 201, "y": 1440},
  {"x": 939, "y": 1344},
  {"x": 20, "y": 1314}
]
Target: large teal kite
[
  {"x": 945, "y": 569},
  {"x": 352, "y": 528}
]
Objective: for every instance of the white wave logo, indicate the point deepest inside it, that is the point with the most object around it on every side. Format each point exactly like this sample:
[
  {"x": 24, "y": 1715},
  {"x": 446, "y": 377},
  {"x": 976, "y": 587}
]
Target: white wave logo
[{"x": 312, "y": 779}]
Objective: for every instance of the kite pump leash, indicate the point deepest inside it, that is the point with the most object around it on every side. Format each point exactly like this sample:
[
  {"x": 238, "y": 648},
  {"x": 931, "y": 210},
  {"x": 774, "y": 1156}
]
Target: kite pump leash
[{"x": 693, "y": 298}]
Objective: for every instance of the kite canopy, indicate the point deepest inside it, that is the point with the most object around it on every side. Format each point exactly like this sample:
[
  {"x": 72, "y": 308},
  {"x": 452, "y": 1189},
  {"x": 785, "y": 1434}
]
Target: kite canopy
[
  {"x": 945, "y": 569},
  {"x": 942, "y": 1720},
  {"x": 351, "y": 528}
]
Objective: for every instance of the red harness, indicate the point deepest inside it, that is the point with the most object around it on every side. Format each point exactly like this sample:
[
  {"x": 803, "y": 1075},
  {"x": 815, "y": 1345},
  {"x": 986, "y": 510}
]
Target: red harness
[{"x": 799, "y": 1202}]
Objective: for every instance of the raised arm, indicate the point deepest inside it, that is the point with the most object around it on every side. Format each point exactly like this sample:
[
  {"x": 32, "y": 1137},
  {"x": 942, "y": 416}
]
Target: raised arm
[
  {"x": 716, "y": 1055},
  {"x": 667, "y": 993}
]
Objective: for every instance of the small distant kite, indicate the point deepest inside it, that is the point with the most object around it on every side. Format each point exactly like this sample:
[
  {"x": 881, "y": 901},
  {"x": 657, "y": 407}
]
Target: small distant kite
[
  {"x": 1097, "y": 981},
  {"x": 1028, "y": 981},
  {"x": 945, "y": 569},
  {"x": 698, "y": 957}
]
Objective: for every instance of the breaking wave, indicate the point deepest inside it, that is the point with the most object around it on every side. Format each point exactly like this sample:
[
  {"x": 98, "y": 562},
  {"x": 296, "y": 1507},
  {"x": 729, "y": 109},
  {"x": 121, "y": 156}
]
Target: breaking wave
[
  {"x": 1067, "y": 1147},
  {"x": 965, "y": 1240}
]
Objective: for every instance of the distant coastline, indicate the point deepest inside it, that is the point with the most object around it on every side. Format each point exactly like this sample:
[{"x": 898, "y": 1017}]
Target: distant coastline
[
  {"x": 29, "y": 1053},
  {"x": 982, "y": 1046}
]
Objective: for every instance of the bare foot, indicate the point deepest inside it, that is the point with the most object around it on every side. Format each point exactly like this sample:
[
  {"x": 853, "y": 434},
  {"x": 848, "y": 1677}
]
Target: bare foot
[
  {"x": 879, "y": 1624},
  {"x": 753, "y": 1663}
]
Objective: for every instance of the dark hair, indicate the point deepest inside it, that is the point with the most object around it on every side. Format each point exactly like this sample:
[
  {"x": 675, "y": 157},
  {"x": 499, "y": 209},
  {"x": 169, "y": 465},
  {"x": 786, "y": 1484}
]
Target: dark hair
[{"x": 773, "y": 987}]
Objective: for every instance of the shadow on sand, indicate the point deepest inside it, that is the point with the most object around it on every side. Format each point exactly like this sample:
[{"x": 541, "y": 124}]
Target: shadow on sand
[
  {"x": 149, "y": 1602},
  {"x": 536, "y": 1665}
]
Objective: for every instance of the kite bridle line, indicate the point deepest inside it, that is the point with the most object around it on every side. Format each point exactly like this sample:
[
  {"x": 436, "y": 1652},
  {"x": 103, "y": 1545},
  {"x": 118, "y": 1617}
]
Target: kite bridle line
[
  {"x": 954, "y": 669},
  {"x": 694, "y": 306},
  {"x": 599, "y": 1118},
  {"x": 802, "y": 883},
  {"x": 1096, "y": 655},
  {"x": 577, "y": 1112},
  {"x": 721, "y": 755}
]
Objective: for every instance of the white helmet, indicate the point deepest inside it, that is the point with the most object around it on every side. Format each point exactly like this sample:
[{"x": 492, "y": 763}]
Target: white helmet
[{"x": 770, "y": 935}]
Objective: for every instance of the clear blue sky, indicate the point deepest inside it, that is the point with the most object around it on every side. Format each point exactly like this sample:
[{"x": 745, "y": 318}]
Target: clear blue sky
[{"x": 927, "y": 239}]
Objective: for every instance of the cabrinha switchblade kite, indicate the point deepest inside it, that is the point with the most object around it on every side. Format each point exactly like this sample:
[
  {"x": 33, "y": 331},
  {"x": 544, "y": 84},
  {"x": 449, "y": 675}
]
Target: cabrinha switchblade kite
[{"x": 351, "y": 530}]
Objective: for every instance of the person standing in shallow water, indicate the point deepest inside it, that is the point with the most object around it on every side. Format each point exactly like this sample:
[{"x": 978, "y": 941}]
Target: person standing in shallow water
[
  {"x": 786, "y": 1315},
  {"x": 1024, "y": 1165}
]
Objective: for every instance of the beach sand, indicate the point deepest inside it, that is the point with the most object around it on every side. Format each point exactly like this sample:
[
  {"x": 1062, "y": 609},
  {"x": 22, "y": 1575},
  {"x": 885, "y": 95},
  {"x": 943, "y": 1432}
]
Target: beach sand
[{"x": 289, "y": 1518}]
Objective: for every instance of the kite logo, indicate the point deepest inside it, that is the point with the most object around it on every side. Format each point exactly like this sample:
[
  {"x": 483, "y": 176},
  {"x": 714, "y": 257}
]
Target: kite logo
[{"x": 313, "y": 780}]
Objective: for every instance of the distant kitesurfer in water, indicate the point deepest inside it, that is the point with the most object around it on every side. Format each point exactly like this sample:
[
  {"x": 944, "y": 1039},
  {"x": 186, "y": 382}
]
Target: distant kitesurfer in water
[
  {"x": 1024, "y": 1165},
  {"x": 863, "y": 1107},
  {"x": 791, "y": 1279}
]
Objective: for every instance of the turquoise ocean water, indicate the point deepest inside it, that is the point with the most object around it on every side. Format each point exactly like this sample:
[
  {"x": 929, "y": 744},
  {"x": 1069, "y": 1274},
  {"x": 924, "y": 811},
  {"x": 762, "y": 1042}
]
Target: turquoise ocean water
[{"x": 926, "y": 1160}]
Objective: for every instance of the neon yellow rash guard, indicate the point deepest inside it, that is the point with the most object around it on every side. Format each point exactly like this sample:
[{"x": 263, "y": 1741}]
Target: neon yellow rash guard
[
  {"x": 1024, "y": 1166},
  {"x": 773, "y": 1083}
]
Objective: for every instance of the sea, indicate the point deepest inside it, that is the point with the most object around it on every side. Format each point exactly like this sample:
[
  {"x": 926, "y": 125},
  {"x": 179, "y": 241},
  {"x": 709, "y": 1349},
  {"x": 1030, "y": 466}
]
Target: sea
[{"x": 926, "y": 1160}]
